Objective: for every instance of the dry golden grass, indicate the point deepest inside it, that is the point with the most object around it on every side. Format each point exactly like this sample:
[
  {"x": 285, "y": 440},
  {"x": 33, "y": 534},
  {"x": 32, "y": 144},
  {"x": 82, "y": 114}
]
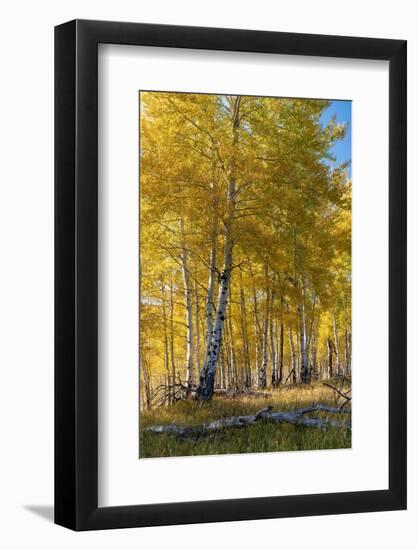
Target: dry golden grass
[{"x": 260, "y": 437}]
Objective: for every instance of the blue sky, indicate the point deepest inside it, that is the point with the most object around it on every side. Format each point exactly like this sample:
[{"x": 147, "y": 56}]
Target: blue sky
[{"x": 342, "y": 150}]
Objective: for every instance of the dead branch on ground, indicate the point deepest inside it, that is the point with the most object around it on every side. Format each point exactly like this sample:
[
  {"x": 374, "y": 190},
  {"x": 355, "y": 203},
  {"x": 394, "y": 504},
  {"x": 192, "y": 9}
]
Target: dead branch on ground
[{"x": 166, "y": 394}]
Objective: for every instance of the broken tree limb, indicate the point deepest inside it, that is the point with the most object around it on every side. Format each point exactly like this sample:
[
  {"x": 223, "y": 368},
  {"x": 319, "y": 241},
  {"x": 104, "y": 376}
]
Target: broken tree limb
[
  {"x": 344, "y": 395},
  {"x": 341, "y": 393},
  {"x": 296, "y": 417}
]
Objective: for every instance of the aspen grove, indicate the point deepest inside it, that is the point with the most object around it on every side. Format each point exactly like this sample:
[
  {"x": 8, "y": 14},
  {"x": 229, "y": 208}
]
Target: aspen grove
[{"x": 245, "y": 246}]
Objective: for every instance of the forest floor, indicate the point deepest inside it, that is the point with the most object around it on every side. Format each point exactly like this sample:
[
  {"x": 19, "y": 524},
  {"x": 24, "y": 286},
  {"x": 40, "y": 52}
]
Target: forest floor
[{"x": 256, "y": 438}]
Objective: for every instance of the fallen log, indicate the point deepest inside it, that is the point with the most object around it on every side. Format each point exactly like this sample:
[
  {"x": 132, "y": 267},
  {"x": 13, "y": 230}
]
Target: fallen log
[{"x": 296, "y": 417}]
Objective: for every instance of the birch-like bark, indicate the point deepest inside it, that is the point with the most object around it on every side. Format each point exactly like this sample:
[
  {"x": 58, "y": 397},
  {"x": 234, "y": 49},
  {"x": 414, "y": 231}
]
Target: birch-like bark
[
  {"x": 233, "y": 364},
  {"x": 171, "y": 330},
  {"x": 329, "y": 358},
  {"x": 336, "y": 344},
  {"x": 274, "y": 352},
  {"x": 281, "y": 352},
  {"x": 165, "y": 332},
  {"x": 207, "y": 378},
  {"x": 257, "y": 329},
  {"x": 273, "y": 339},
  {"x": 244, "y": 330},
  {"x": 223, "y": 369},
  {"x": 348, "y": 353},
  {"x": 146, "y": 379},
  {"x": 293, "y": 358},
  {"x": 197, "y": 330},
  {"x": 298, "y": 348},
  {"x": 262, "y": 377},
  {"x": 210, "y": 306},
  {"x": 348, "y": 340},
  {"x": 314, "y": 351},
  {"x": 305, "y": 373},
  {"x": 188, "y": 307}
]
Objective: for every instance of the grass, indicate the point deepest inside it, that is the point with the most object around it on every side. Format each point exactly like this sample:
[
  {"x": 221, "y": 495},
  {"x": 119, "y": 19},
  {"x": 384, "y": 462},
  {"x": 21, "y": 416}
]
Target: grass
[{"x": 257, "y": 438}]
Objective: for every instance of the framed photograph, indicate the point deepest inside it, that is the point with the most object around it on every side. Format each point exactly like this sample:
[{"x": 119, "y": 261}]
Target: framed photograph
[{"x": 230, "y": 285}]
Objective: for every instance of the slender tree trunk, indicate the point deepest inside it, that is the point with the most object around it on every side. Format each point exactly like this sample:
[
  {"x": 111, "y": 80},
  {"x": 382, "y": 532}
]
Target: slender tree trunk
[
  {"x": 210, "y": 306},
  {"x": 197, "y": 331},
  {"x": 298, "y": 348},
  {"x": 336, "y": 344},
  {"x": 188, "y": 307},
  {"x": 208, "y": 373},
  {"x": 223, "y": 369},
  {"x": 329, "y": 358},
  {"x": 265, "y": 331},
  {"x": 273, "y": 337},
  {"x": 347, "y": 340},
  {"x": 302, "y": 346},
  {"x": 314, "y": 352},
  {"x": 233, "y": 363},
  {"x": 293, "y": 357},
  {"x": 244, "y": 331},
  {"x": 171, "y": 330},
  {"x": 281, "y": 351},
  {"x": 312, "y": 317},
  {"x": 165, "y": 332},
  {"x": 228, "y": 375},
  {"x": 305, "y": 371},
  {"x": 348, "y": 353},
  {"x": 257, "y": 329},
  {"x": 146, "y": 379}
]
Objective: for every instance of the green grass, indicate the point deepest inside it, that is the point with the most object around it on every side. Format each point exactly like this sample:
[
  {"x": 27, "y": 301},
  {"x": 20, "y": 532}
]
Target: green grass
[{"x": 257, "y": 438}]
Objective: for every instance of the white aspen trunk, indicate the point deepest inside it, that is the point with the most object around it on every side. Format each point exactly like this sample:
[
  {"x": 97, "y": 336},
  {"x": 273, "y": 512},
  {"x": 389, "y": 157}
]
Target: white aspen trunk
[
  {"x": 293, "y": 358},
  {"x": 171, "y": 330},
  {"x": 233, "y": 365},
  {"x": 298, "y": 348},
  {"x": 262, "y": 381},
  {"x": 281, "y": 352},
  {"x": 348, "y": 353},
  {"x": 210, "y": 307},
  {"x": 188, "y": 307},
  {"x": 274, "y": 352},
  {"x": 301, "y": 345},
  {"x": 314, "y": 353},
  {"x": 273, "y": 339},
  {"x": 329, "y": 358},
  {"x": 257, "y": 330},
  {"x": 228, "y": 378},
  {"x": 208, "y": 373},
  {"x": 305, "y": 378},
  {"x": 223, "y": 369},
  {"x": 165, "y": 333},
  {"x": 312, "y": 323},
  {"x": 197, "y": 331},
  {"x": 336, "y": 344},
  {"x": 244, "y": 331},
  {"x": 146, "y": 378},
  {"x": 347, "y": 366}
]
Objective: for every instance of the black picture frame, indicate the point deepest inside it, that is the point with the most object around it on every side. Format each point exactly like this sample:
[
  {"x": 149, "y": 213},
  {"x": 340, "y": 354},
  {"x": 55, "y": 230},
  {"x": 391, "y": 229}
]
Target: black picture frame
[{"x": 76, "y": 272}]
